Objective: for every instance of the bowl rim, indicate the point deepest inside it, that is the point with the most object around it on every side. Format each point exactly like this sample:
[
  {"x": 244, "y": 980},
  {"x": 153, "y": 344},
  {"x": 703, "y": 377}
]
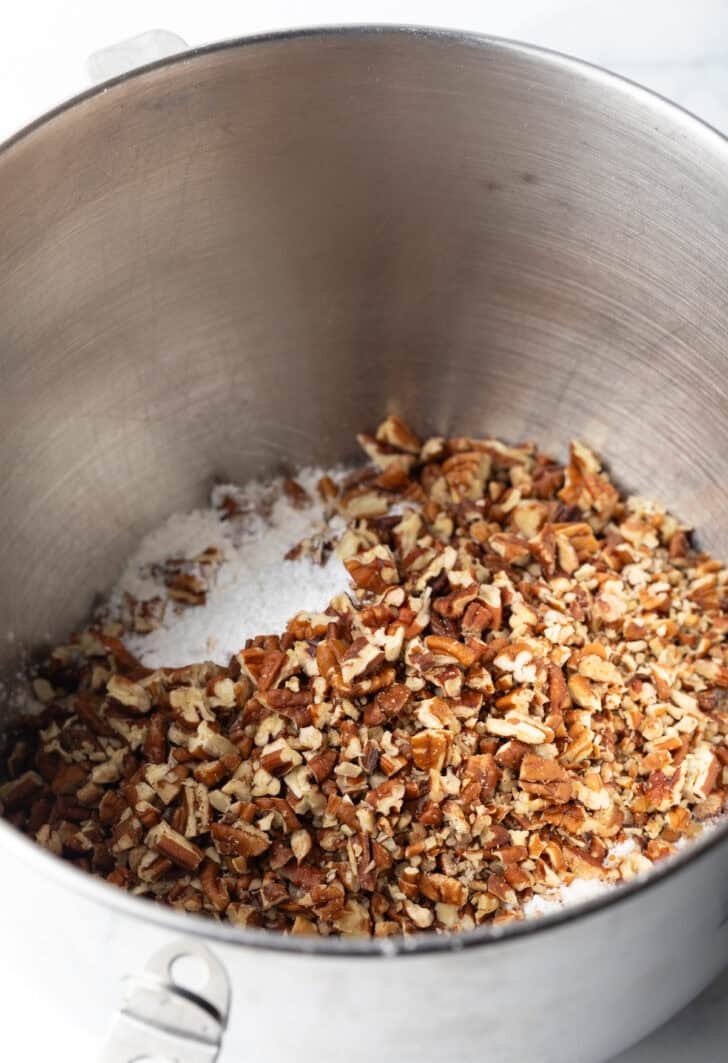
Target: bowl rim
[{"x": 181, "y": 923}]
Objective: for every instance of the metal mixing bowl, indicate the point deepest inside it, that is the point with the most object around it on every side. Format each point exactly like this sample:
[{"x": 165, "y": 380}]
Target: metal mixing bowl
[{"x": 230, "y": 261}]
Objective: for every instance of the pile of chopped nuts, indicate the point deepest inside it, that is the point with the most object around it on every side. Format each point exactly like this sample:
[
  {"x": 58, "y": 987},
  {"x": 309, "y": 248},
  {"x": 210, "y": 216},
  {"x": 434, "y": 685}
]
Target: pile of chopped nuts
[{"x": 529, "y": 672}]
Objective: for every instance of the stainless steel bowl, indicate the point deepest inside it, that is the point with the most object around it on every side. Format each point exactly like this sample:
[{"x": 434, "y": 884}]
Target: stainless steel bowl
[{"x": 224, "y": 264}]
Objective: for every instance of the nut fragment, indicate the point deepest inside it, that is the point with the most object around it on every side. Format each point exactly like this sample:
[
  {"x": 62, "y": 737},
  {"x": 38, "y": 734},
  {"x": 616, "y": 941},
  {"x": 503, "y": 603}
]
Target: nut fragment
[
  {"x": 163, "y": 839},
  {"x": 528, "y": 674},
  {"x": 545, "y": 778},
  {"x": 129, "y": 694}
]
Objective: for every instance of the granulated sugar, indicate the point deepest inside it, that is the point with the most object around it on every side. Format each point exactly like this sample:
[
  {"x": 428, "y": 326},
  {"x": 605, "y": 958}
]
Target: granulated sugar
[{"x": 254, "y": 590}]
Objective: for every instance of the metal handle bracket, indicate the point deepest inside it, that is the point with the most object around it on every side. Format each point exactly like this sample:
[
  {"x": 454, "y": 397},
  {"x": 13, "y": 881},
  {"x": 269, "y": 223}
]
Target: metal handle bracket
[
  {"x": 136, "y": 51},
  {"x": 162, "y": 1019}
]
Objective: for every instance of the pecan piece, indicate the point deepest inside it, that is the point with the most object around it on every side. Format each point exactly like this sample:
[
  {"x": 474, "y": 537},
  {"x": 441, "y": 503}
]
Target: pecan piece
[
  {"x": 545, "y": 778},
  {"x": 163, "y": 839},
  {"x": 430, "y": 749},
  {"x": 241, "y": 840}
]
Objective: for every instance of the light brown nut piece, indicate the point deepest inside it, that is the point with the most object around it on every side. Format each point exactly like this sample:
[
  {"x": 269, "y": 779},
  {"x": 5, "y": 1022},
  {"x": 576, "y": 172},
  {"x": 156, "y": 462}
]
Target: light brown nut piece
[
  {"x": 449, "y": 650},
  {"x": 545, "y": 778},
  {"x": 512, "y": 548},
  {"x": 387, "y": 797},
  {"x": 584, "y": 694},
  {"x": 662, "y": 790},
  {"x": 466, "y": 473},
  {"x": 209, "y": 743},
  {"x": 395, "y": 433},
  {"x": 430, "y": 749},
  {"x": 521, "y": 726},
  {"x": 131, "y": 695},
  {"x": 196, "y": 804},
  {"x": 443, "y": 888}
]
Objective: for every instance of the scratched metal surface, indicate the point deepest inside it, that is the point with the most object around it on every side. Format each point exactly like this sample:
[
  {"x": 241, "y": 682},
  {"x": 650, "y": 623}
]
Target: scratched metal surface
[{"x": 224, "y": 265}]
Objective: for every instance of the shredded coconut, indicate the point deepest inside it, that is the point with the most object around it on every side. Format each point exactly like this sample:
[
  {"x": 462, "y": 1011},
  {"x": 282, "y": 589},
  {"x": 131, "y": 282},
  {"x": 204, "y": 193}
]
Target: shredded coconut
[{"x": 254, "y": 589}]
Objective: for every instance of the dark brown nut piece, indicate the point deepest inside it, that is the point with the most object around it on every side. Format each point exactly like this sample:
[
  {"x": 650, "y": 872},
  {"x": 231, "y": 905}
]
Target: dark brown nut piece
[
  {"x": 363, "y": 658},
  {"x": 322, "y": 765},
  {"x": 327, "y": 489},
  {"x": 69, "y": 778},
  {"x": 297, "y": 495},
  {"x": 88, "y": 706},
  {"x": 482, "y": 770},
  {"x": 21, "y": 792},
  {"x": 663, "y": 791},
  {"x": 214, "y": 889},
  {"x": 363, "y": 687},
  {"x": 111, "y": 808},
  {"x": 476, "y": 618},
  {"x": 242, "y": 840},
  {"x": 511, "y": 753},
  {"x": 187, "y": 588},
  {"x": 387, "y": 704},
  {"x": 558, "y": 693},
  {"x": 278, "y": 757},
  {"x": 443, "y": 888},
  {"x": 163, "y": 839},
  {"x": 454, "y": 604},
  {"x": 466, "y": 473},
  {"x": 126, "y": 834},
  {"x": 374, "y": 570},
  {"x": 207, "y": 742},
  {"x": 586, "y": 486},
  {"x": 212, "y": 772},
  {"x": 283, "y": 811},
  {"x": 342, "y": 808},
  {"x": 155, "y": 742}
]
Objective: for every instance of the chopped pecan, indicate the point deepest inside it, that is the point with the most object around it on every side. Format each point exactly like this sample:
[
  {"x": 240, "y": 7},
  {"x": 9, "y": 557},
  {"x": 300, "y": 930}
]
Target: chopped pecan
[
  {"x": 242, "y": 840},
  {"x": 545, "y": 778},
  {"x": 430, "y": 748},
  {"x": 163, "y": 839}
]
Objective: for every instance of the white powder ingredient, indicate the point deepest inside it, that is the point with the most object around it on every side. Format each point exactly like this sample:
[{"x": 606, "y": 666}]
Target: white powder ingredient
[{"x": 254, "y": 591}]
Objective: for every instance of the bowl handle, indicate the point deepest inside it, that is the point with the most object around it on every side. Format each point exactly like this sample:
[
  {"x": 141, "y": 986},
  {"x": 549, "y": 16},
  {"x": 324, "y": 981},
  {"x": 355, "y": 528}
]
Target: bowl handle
[
  {"x": 161, "y": 1017},
  {"x": 118, "y": 59}
]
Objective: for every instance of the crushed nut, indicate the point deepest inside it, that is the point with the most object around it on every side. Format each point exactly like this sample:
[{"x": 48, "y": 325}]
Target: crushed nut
[{"x": 529, "y": 670}]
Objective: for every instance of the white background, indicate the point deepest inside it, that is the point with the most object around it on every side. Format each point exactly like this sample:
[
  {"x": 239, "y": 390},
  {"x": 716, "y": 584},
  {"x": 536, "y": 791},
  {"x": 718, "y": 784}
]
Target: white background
[{"x": 677, "y": 47}]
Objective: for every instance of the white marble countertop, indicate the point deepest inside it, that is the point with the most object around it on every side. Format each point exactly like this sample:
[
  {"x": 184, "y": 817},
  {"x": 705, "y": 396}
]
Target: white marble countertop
[{"x": 677, "y": 47}]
